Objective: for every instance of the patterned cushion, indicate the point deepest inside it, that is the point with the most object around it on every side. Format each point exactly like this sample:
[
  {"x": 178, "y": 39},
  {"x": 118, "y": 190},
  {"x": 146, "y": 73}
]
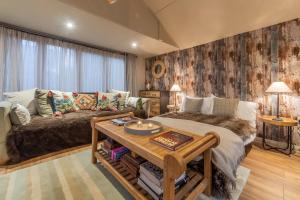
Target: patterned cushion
[
  {"x": 64, "y": 102},
  {"x": 108, "y": 101},
  {"x": 43, "y": 101},
  {"x": 225, "y": 107},
  {"x": 85, "y": 101}
]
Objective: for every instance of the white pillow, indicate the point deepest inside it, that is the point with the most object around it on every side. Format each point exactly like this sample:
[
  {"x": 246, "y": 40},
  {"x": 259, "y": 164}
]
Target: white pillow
[
  {"x": 20, "y": 115},
  {"x": 24, "y": 98},
  {"x": 208, "y": 105},
  {"x": 247, "y": 111},
  {"x": 191, "y": 104}
]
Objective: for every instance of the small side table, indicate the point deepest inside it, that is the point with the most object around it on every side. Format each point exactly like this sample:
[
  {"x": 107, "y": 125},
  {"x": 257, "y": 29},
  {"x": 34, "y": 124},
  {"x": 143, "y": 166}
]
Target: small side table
[
  {"x": 172, "y": 108},
  {"x": 286, "y": 122}
]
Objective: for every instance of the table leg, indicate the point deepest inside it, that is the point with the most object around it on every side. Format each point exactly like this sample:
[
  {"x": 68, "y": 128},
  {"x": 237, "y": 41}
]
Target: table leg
[
  {"x": 264, "y": 135},
  {"x": 290, "y": 132},
  {"x": 94, "y": 144}
]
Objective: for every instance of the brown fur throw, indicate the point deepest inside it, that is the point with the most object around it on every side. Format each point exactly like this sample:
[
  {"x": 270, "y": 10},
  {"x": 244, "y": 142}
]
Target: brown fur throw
[
  {"x": 237, "y": 126},
  {"x": 44, "y": 135}
]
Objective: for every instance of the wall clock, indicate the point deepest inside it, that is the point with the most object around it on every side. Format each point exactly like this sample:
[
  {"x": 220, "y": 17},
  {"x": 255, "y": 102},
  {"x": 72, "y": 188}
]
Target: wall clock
[{"x": 158, "y": 69}]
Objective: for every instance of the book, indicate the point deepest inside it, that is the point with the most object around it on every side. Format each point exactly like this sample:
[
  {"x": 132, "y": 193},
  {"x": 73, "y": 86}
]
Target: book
[
  {"x": 149, "y": 190},
  {"x": 171, "y": 140},
  {"x": 122, "y": 121},
  {"x": 136, "y": 161},
  {"x": 155, "y": 174}
]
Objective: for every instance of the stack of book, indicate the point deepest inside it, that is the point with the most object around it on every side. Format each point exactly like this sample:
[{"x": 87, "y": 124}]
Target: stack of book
[
  {"x": 151, "y": 180},
  {"x": 108, "y": 145},
  {"x": 117, "y": 153},
  {"x": 132, "y": 164}
]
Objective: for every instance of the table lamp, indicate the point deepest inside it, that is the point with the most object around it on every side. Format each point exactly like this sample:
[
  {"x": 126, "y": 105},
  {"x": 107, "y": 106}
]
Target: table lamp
[
  {"x": 175, "y": 88},
  {"x": 278, "y": 88}
]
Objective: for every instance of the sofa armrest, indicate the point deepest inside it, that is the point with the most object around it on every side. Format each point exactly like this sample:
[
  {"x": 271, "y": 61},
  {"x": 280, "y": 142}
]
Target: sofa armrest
[{"x": 5, "y": 127}]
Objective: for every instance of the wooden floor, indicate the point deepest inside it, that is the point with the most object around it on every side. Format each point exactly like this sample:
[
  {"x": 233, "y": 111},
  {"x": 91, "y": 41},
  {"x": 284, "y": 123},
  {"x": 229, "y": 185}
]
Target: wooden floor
[{"x": 273, "y": 176}]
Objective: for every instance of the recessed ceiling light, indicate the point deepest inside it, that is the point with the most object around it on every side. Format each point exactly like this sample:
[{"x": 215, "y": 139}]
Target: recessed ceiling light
[
  {"x": 69, "y": 25},
  {"x": 134, "y": 45}
]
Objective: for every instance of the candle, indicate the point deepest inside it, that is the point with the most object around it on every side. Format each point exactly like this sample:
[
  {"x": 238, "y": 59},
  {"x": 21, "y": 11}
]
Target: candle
[
  {"x": 139, "y": 123},
  {"x": 150, "y": 125}
]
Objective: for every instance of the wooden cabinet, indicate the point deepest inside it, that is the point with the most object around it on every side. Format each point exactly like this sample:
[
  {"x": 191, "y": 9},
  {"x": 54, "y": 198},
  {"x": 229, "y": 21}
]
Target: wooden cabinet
[{"x": 158, "y": 101}]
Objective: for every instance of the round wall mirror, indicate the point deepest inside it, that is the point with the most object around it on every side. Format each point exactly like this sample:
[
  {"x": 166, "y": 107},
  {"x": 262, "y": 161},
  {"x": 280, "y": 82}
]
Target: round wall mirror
[{"x": 158, "y": 69}]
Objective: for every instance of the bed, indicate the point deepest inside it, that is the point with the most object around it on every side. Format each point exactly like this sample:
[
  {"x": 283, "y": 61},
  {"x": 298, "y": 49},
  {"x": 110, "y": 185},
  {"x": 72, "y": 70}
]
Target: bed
[{"x": 236, "y": 136}]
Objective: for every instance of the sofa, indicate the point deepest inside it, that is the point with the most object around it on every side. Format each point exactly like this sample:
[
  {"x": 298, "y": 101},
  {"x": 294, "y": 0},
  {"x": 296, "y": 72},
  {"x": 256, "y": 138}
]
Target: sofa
[{"x": 49, "y": 134}]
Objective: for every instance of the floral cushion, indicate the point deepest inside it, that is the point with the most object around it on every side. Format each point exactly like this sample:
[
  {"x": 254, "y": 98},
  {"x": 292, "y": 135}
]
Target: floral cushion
[
  {"x": 108, "y": 101},
  {"x": 85, "y": 101},
  {"x": 63, "y": 102}
]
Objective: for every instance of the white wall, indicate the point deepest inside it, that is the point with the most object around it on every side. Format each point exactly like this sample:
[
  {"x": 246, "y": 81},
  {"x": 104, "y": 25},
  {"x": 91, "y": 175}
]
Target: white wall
[{"x": 140, "y": 74}]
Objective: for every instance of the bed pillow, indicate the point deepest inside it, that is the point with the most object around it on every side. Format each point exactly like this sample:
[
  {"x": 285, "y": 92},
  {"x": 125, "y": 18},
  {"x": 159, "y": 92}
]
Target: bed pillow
[
  {"x": 191, "y": 104},
  {"x": 108, "y": 101},
  {"x": 19, "y": 115},
  {"x": 225, "y": 107},
  {"x": 85, "y": 101},
  {"x": 247, "y": 111},
  {"x": 24, "y": 98},
  {"x": 208, "y": 105},
  {"x": 43, "y": 99},
  {"x": 126, "y": 93}
]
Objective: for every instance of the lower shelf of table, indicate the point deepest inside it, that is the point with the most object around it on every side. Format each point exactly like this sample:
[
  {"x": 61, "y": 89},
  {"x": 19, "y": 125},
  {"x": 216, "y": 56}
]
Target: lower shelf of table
[{"x": 130, "y": 182}]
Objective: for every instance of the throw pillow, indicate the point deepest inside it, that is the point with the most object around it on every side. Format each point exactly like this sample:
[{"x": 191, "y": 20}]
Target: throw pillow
[
  {"x": 19, "y": 115},
  {"x": 43, "y": 102},
  {"x": 122, "y": 93},
  {"x": 225, "y": 107},
  {"x": 192, "y": 104},
  {"x": 85, "y": 101},
  {"x": 108, "y": 101},
  {"x": 25, "y": 98},
  {"x": 63, "y": 102}
]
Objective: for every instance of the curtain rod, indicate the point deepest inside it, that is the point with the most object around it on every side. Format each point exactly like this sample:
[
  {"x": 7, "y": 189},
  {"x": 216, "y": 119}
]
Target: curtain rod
[{"x": 60, "y": 38}]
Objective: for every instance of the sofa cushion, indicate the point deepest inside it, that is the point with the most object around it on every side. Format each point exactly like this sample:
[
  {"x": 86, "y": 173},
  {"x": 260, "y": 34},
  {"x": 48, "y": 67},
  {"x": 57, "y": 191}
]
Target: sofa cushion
[
  {"x": 85, "y": 101},
  {"x": 126, "y": 93},
  {"x": 107, "y": 101},
  {"x": 43, "y": 102},
  {"x": 64, "y": 102},
  {"x": 19, "y": 115},
  {"x": 25, "y": 98}
]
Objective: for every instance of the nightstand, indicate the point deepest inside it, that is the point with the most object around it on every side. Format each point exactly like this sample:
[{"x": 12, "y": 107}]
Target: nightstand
[{"x": 285, "y": 123}]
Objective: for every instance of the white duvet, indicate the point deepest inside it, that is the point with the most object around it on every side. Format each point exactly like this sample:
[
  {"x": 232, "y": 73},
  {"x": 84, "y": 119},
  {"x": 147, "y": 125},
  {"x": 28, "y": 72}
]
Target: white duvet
[{"x": 226, "y": 156}]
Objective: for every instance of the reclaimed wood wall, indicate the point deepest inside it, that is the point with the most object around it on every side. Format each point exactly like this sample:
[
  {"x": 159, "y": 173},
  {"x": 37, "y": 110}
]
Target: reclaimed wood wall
[{"x": 241, "y": 66}]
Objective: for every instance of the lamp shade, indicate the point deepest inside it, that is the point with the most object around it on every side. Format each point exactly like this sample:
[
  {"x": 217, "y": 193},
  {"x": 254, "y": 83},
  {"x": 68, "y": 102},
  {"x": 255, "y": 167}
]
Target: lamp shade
[
  {"x": 175, "y": 88},
  {"x": 278, "y": 87}
]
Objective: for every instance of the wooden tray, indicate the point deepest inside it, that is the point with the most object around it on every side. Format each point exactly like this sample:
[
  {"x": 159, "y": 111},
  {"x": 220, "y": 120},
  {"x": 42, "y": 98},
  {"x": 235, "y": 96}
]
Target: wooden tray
[{"x": 133, "y": 127}]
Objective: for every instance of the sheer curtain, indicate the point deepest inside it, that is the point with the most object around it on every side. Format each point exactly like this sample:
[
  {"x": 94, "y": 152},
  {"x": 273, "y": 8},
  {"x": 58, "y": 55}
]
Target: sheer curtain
[{"x": 28, "y": 61}]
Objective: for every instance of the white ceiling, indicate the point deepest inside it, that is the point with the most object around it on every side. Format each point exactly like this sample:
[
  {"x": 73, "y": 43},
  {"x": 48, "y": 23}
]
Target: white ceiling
[
  {"x": 165, "y": 26},
  {"x": 50, "y": 17},
  {"x": 193, "y": 22}
]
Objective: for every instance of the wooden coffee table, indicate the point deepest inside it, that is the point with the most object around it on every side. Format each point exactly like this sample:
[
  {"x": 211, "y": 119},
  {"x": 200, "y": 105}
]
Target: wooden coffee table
[{"x": 173, "y": 163}]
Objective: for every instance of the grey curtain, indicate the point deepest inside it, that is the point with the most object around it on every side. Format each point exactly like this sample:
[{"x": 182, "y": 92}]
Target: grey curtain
[{"x": 131, "y": 74}]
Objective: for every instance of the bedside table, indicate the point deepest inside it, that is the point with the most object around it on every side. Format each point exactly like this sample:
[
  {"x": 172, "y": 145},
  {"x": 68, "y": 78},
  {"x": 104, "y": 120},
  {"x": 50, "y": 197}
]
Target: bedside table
[{"x": 286, "y": 122}]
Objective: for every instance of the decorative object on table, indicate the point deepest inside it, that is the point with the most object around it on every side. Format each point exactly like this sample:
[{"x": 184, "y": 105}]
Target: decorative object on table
[
  {"x": 171, "y": 140},
  {"x": 284, "y": 122},
  {"x": 158, "y": 69},
  {"x": 278, "y": 88},
  {"x": 122, "y": 121},
  {"x": 148, "y": 85},
  {"x": 175, "y": 88},
  {"x": 143, "y": 127},
  {"x": 158, "y": 101},
  {"x": 172, "y": 108}
]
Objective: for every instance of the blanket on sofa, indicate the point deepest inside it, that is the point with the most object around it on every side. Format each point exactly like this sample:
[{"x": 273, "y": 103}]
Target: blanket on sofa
[
  {"x": 44, "y": 135},
  {"x": 230, "y": 152}
]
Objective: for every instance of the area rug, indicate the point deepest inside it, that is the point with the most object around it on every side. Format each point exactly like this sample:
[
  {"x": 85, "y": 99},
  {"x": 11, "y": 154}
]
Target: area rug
[{"x": 72, "y": 177}]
